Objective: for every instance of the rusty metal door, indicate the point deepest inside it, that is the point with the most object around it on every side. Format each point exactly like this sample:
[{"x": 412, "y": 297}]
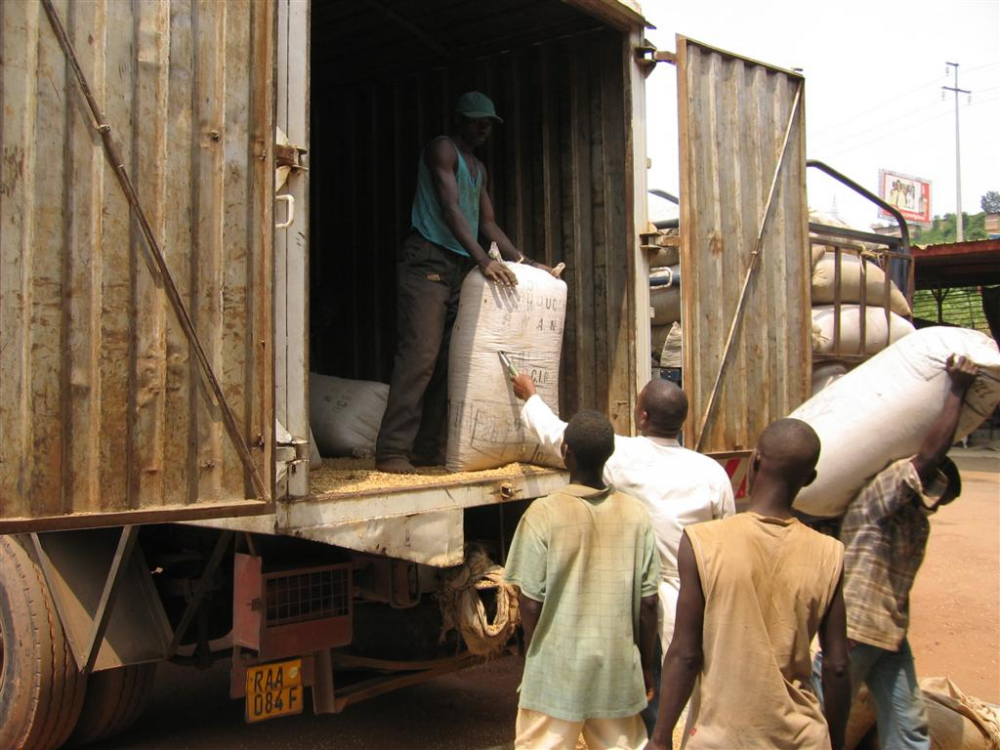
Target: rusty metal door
[
  {"x": 744, "y": 245},
  {"x": 136, "y": 352}
]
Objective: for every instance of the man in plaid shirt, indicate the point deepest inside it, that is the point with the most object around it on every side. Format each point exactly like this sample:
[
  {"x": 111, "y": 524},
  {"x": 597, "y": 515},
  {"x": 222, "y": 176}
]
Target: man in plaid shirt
[{"x": 885, "y": 533}]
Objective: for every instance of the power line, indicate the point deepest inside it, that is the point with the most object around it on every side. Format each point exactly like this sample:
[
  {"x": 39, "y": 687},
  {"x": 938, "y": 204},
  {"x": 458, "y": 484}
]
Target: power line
[
  {"x": 878, "y": 125},
  {"x": 886, "y": 103},
  {"x": 860, "y": 146}
]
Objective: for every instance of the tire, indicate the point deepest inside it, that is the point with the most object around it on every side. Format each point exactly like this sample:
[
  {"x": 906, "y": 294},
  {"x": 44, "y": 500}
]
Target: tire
[
  {"x": 41, "y": 690},
  {"x": 116, "y": 698}
]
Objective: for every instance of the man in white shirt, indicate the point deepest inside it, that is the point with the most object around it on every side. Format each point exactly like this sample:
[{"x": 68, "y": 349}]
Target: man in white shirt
[{"x": 678, "y": 486}]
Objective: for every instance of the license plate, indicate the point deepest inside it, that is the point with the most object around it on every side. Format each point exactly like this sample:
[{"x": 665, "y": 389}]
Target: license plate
[{"x": 274, "y": 690}]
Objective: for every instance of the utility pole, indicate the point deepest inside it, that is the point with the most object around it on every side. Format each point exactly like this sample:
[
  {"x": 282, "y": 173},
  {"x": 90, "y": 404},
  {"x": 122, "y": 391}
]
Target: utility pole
[{"x": 958, "y": 153}]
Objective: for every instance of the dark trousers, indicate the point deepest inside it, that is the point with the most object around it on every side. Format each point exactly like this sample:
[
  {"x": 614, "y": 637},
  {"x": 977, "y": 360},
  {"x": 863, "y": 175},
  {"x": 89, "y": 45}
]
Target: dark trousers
[{"x": 429, "y": 282}]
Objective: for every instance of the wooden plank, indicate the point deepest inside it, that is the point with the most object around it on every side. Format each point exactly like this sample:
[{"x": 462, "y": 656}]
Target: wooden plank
[
  {"x": 47, "y": 271},
  {"x": 208, "y": 245},
  {"x": 581, "y": 232},
  {"x": 620, "y": 326},
  {"x": 259, "y": 338},
  {"x": 296, "y": 265},
  {"x": 85, "y": 221},
  {"x": 731, "y": 217},
  {"x": 755, "y": 336},
  {"x": 149, "y": 159},
  {"x": 118, "y": 264},
  {"x": 636, "y": 208},
  {"x": 238, "y": 225},
  {"x": 182, "y": 193},
  {"x": 603, "y": 339},
  {"x": 19, "y": 34},
  {"x": 551, "y": 163}
]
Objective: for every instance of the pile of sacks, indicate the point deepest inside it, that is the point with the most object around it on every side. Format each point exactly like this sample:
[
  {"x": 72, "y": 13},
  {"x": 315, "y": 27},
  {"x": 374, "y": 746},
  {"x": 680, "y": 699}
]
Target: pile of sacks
[
  {"x": 886, "y": 313},
  {"x": 665, "y": 305}
]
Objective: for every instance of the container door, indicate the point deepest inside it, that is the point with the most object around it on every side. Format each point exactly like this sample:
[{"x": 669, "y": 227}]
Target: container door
[
  {"x": 291, "y": 248},
  {"x": 744, "y": 245},
  {"x": 112, "y": 411}
]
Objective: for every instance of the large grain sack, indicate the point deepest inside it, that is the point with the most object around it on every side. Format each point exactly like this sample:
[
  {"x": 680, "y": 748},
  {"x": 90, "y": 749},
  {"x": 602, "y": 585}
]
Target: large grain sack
[
  {"x": 877, "y": 334},
  {"x": 881, "y": 410},
  {"x": 824, "y": 289},
  {"x": 665, "y": 299},
  {"x": 958, "y": 721},
  {"x": 825, "y": 374},
  {"x": 345, "y": 414},
  {"x": 672, "y": 351},
  {"x": 526, "y": 322}
]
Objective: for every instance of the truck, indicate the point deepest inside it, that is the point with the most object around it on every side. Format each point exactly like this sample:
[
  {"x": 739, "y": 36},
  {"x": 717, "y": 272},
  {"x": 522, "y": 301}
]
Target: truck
[{"x": 201, "y": 202}]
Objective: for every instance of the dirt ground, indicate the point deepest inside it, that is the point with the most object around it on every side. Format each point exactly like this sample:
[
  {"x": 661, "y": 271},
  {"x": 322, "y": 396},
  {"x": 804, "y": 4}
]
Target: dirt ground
[{"x": 955, "y": 628}]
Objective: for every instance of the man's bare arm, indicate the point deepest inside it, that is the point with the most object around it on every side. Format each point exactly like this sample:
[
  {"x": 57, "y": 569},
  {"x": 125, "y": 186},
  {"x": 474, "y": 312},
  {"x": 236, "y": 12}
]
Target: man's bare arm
[
  {"x": 684, "y": 657},
  {"x": 491, "y": 230},
  {"x": 441, "y": 159},
  {"x": 647, "y": 640},
  {"x": 836, "y": 668},
  {"x": 941, "y": 435},
  {"x": 531, "y": 610}
]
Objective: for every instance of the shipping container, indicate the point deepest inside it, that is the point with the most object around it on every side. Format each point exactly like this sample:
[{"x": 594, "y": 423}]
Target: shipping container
[{"x": 202, "y": 201}]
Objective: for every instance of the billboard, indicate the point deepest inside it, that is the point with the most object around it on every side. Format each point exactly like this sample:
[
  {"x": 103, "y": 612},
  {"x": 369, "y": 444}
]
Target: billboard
[{"x": 911, "y": 196}]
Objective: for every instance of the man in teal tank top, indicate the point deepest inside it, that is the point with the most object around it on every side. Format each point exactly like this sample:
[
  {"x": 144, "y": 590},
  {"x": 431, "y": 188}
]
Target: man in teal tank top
[{"x": 451, "y": 212}]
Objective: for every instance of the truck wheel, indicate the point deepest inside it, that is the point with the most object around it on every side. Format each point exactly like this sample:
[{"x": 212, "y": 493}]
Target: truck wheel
[
  {"x": 115, "y": 700},
  {"x": 41, "y": 690}
]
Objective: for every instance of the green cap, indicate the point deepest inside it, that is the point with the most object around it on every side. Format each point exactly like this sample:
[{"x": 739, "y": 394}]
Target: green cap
[{"x": 474, "y": 105}]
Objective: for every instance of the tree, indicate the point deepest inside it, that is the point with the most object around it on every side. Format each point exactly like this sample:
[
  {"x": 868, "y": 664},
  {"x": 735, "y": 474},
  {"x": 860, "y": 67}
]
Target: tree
[{"x": 990, "y": 202}]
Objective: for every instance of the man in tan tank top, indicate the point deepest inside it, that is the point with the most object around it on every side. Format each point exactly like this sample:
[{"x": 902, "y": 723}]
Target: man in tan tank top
[{"x": 755, "y": 589}]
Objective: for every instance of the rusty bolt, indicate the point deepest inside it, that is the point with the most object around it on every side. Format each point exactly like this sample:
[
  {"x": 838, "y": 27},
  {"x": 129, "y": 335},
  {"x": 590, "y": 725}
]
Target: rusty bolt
[{"x": 215, "y": 135}]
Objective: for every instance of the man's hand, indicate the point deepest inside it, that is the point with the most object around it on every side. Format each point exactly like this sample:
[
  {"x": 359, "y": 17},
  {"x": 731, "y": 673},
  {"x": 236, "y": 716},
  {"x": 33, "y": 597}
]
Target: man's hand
[
  {"x": 962, "y": 372},
  {"x": 554, "y": 272},
  {"x": 497, "y": 272},
  {"x": 649, "y": 682},
  {"x": 524, "y": 386}
]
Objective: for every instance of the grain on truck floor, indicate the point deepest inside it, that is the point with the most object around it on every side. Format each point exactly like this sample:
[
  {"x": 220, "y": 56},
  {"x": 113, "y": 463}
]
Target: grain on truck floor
[{"x": 358, "y": 475}]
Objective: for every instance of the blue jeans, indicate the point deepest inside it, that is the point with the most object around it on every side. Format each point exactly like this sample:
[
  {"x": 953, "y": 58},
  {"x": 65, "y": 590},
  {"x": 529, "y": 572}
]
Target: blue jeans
[{"x": 892, "y": 679}]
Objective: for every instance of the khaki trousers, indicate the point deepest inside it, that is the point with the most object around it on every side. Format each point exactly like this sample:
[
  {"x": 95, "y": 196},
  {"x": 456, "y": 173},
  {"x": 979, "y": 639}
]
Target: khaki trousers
[{"x": 538, "y": 731}]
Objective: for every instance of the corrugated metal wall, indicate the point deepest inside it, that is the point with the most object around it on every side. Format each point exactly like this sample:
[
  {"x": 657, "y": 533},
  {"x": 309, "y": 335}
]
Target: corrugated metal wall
[
  {"x": 559, "y": 176},
  {"x": 733, "y": 118},
  {"x": 102, "y": 407}
]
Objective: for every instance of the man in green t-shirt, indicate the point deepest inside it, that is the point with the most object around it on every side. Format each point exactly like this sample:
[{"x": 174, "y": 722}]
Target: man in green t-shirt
[{"x": 586, "y": 563}]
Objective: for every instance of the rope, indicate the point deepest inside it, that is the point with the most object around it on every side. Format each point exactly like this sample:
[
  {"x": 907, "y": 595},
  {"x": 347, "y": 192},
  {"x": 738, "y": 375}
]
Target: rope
[{"x": 462, "y": 607}]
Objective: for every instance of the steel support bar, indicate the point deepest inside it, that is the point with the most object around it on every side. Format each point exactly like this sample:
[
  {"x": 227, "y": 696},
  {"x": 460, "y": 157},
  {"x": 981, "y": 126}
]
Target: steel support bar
[
  {"x": 734, "y": 328},
  {"x": 825, "y": 230},
  {"x": 225, "y": 538},
  {"x": 159, "y": 265},
  {"x": 119, "y": 564}
]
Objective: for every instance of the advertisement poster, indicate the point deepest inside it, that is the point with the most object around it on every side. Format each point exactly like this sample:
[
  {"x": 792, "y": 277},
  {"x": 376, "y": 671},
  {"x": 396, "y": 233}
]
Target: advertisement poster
[{"x": 911, "y": 196}]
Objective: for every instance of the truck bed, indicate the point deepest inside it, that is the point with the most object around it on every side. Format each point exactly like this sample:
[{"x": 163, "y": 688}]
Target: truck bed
[{"x": 340, "y": 477}]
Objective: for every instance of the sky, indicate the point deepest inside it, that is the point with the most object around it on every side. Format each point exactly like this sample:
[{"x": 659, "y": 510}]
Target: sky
[{"x": 874, "y": 72}]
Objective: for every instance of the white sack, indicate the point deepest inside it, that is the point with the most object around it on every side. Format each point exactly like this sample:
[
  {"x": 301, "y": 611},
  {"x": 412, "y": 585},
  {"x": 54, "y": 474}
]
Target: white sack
[
  {"x": 672, "y": 352},
  {"x": 826, "y": 374},
  {"x": 666, "y": 304},
  {"x": 881, "y": 410},
  {"x": 877, "y": 335},
  {"x": 315, "y": 459},
  {"x": 823, "y": 287},
  {"x": 525, "y": 321},
  {"x": 345, "y": 414}
]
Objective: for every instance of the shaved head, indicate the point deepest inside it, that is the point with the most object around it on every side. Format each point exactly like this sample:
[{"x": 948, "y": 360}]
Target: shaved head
[
  {"x": 665, "y": 406},
  {"x": 791, "y": 448}
]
